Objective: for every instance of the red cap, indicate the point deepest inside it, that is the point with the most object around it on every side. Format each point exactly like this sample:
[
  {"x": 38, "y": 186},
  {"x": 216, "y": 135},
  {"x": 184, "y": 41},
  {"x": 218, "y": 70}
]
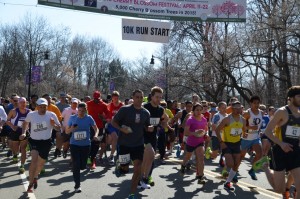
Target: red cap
[{"x": 96, "y": 94}]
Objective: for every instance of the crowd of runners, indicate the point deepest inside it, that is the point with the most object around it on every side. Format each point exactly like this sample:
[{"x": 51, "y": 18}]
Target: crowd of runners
[{"x": 134, "y": 132}]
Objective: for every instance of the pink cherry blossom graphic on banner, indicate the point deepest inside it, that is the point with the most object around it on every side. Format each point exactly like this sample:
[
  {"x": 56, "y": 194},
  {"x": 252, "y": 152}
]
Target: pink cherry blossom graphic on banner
[{"x": 228, "y": 8}]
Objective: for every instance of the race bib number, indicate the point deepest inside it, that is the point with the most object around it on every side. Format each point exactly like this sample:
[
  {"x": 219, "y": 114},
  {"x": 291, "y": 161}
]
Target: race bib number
[
  {"x": 292, "y": 132},
  {"x": 80, "y": 135},
  {"x": 41, "y": 126},
  {"x": 20, "y": 123},
  {"x": 124, "y": 159},
  {"x": 154, "y": 121},
  {"x": 235, "y": 131}
]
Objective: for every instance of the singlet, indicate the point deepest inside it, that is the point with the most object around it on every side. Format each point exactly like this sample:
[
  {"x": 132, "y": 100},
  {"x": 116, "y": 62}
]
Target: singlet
[
  {"x": 19, "y": 119},
  {"x": 217, "y": 119},
  {"x": 232, "y": 132},
  {"x": 265, "y": 122},
  {"x": 290, "y": 131},
  {"x": 254, "y": 120}
]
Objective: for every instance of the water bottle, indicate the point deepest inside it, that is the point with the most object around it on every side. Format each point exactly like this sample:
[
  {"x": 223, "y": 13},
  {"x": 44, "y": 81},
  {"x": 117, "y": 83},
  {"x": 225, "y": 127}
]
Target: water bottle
[{"x": 178, "y": 151}]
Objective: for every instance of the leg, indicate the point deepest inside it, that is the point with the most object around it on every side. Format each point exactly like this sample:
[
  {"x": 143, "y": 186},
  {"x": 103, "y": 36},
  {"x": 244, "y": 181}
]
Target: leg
[
  {"x": 15, "y": 147},
  {"x": 114, "y": 141},
  {"x": 257, "y": 148},
  {"x": 148, "y": 159},
  {"x": 75, "y": 154},
  {"x": 23, "y": 145},
  {"x": 296, "y": 175},
  {"x": 137, "y": 165},
  {"x": 33, "y": 165},
  {"x": 200, "y": 160},
  {"x": 266, "y": 145}
]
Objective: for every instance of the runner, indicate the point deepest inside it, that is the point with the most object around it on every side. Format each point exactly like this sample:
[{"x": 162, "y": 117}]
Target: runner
[
  {"x": 112, "y": 137},
  {"x": 156, "y": 113},
  {"x": 15, "y": 120},
  {"x": 79, "y": 125},
  {"x": 266, "y": 142},
  {"x": 32, "y": 103},
  {"x": 66, "y": 114},
  {"x": 42, "y": 122},
  {"x": 285, "y": 152},
  {"x": 3, "y": 133},
  {"x": 196, "y": 128},
  {"x": 232, "y": 127},
  {"x": 251, "y": 137},
  {"x": 131, "y": 121},
  {"x": 99, "y": 112}
]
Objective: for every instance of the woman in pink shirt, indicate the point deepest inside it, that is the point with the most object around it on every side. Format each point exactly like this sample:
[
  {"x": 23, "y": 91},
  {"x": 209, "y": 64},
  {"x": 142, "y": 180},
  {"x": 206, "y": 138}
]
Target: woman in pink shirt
[{"x": 196, "y": 128}]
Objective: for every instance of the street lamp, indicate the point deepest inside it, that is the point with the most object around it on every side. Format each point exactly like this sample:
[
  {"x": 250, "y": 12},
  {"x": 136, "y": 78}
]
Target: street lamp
[
  {"x": 46, "y": 57},
  {"x": 166, "y": 73}
]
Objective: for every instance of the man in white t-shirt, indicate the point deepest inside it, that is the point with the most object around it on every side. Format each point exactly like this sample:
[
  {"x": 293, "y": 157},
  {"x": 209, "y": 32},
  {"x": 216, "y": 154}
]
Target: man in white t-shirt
[{"x": 42, "y": 122}]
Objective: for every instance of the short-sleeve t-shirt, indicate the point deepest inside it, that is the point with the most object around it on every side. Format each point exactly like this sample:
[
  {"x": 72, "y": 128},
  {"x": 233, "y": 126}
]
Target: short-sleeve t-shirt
[
  {"x": 137, "y": 120},
  {"x": 81, "y": 136},
  {"x": 67, "y": 113},
  {"x": 41, "y": 129},
  {"x": 194, "y": 125}
]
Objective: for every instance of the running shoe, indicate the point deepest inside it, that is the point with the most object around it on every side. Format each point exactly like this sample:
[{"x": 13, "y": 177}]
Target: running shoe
[
  {"x": 150, "y": 181},
  {"x": 65, "y": 154},
  {"x": 178, "y": 151},
  {"x": 89, "y": 162},
  {"x": 228, "y": 186},
  {"x": 57, "y": 153},
  {"x": 29, "y": 189},
  {"x": 221, "y": 162},
  {"x": 27, "y": 147},
  {"x": 131, "y": 196},
  {"x": 259, "y": 164},
  {"x": 224, "y": 173},
  {"x": 286, "y": 194},
  {"x": 252, "y": 174},
  {"x": 143, "y": 185},
  {"x": 15, "y": 159},
  {"x": 78, "y": 190},
  {"x": 9, "y": 153},
  {"x": 111, "y": 161},
  {"x": 200, "y": 180},
  {"x": 208, "y": 153},
  {"x": 21, "y": 169},
  {"x": 35, "y": 183},
  {"x": 182, "y": 170},
  {"x": 43, "y": 171}
]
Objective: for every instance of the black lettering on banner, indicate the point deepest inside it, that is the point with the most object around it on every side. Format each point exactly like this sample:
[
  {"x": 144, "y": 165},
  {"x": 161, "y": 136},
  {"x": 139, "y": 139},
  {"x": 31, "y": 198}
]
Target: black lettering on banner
[
  {"x": 141, "y": 30},
  {"x": 160, "y": 31},
  {"x": 128, "y": 29}
]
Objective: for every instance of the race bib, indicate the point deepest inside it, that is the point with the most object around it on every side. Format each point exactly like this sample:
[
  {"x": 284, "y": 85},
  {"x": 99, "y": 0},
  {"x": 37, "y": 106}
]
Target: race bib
[
  {"x": 154, "y": 121},
  {"x": 41, "y": 126},
  {"x": 20, "y": 123},
  {"x": 292, "y": 132},
  {"x": 124, "y": 159},
  {"x": 235, "y": 131},
  {"x": 80, "y": 135}
]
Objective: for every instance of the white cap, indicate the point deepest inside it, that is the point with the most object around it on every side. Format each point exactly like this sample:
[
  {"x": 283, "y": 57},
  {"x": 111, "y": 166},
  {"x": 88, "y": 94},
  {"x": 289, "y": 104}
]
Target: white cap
[
  {"x": 75, "y": 100},
  {"x": 42, "y": 101}
]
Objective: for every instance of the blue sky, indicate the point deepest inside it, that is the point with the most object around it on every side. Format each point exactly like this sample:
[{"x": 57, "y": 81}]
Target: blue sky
[{"x": 107, "y": 27}]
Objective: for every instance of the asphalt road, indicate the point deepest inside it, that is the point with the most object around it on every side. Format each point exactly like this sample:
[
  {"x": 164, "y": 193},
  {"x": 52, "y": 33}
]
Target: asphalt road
[{"x": 57, "y": 182}]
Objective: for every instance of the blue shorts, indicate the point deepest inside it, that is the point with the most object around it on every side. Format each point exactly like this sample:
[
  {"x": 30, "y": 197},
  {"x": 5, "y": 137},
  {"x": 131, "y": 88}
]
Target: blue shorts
[
  {"x": 111, "y": 129},
  {"x": 247, "y": 144}
]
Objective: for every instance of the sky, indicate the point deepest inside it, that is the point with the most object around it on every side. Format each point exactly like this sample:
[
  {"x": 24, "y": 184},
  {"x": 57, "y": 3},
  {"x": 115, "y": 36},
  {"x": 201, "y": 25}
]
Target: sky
[{"x": 108, "y": 27}]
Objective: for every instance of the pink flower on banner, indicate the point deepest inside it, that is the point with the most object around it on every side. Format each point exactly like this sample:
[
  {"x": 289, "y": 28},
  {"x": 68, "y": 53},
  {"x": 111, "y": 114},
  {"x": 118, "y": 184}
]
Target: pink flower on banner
[
  {"x": 240, "y": 10},
  {"x": 216, "y": 9},
  {"x": 228, "y": 8}
]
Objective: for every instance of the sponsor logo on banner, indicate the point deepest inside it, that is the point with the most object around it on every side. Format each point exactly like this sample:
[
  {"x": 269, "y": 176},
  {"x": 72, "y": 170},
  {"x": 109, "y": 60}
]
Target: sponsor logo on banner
[{"x": 145, "y": 30}]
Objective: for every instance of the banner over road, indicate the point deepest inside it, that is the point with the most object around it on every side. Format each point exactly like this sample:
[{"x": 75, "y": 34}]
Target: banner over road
[{"x": 179, "y": 10}]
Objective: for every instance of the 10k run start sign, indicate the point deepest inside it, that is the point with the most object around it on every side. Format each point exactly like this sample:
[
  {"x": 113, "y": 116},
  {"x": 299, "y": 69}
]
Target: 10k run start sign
[
  {"x": 178, "y": 10},
  {"x": 146, "y": 30}
]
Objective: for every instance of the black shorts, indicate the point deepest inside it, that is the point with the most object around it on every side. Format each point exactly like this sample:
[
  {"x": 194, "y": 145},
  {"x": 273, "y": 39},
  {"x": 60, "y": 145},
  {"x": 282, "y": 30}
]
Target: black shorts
[
  {"x": 190, "y": 149},
  {"x": 42, "y": 146},
  {"x": 232, "y": 148},
  {"x": 66, "y": 137},
  {"x": 14, "y": 136},
  {"x": 215, "y": 144},
  {"x": 5, "y": 131},
  {"x": 152, "y": 141},
  {"x": 101, "y": 133},
  {"x": 136, "y": 153},
  {"x": 281, "y": 161}
]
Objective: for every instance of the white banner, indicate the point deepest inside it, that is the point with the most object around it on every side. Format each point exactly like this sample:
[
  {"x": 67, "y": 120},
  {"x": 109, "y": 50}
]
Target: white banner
[
  {"x": 145, "y": 30},
  {"x": 184, "y": 10}
]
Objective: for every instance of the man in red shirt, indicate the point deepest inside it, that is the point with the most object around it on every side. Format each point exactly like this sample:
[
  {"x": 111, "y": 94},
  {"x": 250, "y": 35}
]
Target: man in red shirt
[
  {"x": 99, "y": 112},
  {"x": 112, "y": 133}
]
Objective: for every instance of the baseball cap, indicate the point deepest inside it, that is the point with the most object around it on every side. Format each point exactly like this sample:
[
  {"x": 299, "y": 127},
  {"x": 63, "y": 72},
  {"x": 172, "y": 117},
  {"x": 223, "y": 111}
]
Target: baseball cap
[
  {"x": 96, "y": 94},
  {"x": 63, "y": 95},
  {"x": 213, "y": 109},
  {"x": 42, "y": 101},
  {"x": 75, "y": 100}
]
